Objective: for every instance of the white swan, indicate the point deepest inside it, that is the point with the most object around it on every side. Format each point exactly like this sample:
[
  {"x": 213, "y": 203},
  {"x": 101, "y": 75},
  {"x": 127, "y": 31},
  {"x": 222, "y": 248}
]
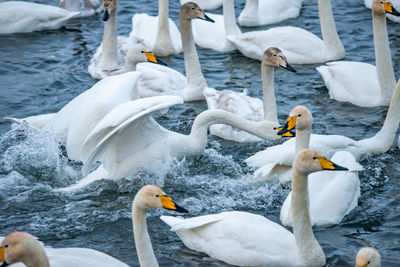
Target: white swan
[
  {"x": 396, "y": 4},
  {"x": 128, "y": 138},
  {"x": 23, "y": 247},
  {"x": 84, "y": 7},
  {"x": 299, "y": 46},
  {"x": 363, "y": 84},
  {"x": 258, "y": 13},
  {"x": 245, "y": 239},
  {"x": 19, "y": 16},
  {"x": 160, "y": 33},
  {"x": 205, "y": 4},
  {"x": 247, "y": 107},
  {"x": 214, "y": 35},
  {"x": 276, "y": 160},
  {"x": 368, "y": 257},
  {"x": 331, "y": 197}
]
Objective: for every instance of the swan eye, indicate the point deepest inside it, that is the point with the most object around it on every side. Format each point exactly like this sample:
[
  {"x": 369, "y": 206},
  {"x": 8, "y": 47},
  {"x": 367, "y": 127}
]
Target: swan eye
[
  {"x": 369, "y": 262},
  {"x": 314, "y": 158},
  {"x": 192, "y": 8},
  {"x": 157, "y": 195},
  {"x": 6, "y": 245},
  {"x": 299, "y": 115},
  {"x": 142, "y": 51}
]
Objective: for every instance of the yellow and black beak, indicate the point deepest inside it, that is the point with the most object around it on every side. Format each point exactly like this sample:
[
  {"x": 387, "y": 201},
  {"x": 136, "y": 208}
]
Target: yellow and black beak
[
  {"x": 152, "y": 58},
  {"x": 169, "y": 204},
  {"x": 3, "y": 256},
  {"x": 390, "y": 9},
  {"x": 289, "y": 125},
  {"x": 326, "y": 164},
  {"x": 289, "y": 133}
]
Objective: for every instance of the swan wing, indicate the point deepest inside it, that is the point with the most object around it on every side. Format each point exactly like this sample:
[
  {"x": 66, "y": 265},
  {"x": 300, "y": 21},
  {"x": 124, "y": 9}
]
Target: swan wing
[
  {"x": 332, "y": 194},
  {"x": 36, "y": 122},
  {"x": 238, "y": 238},
  {"x": 353, "y": 82},
  {"x": 19, "y": 16},
  {"x": 129, "y": 127},
  {"x": 249, "y": 108},
  {"x": 159, "y": 80}
]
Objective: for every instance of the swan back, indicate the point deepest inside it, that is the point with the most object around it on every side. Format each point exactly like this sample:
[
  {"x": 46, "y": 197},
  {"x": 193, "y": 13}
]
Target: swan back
[{"x": 368, "y": 257}]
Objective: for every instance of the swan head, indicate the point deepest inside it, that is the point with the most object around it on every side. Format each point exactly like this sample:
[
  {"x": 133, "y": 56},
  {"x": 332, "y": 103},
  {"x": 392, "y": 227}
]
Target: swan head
[
  {"x": 300, "y": 118},
  {"x": 273, "y": 56},
  {"x": 138, "y": 53},
  {"x": 368, "y": 257},
  {"x": 22, "y": 247},
  {"x": 381, "y": 7},
  {"x": 308, "y": 161},
  {"x": 152, "y": 197},
  {"x": 108, "y": 6},
  {"x": 191, "y": 11}
]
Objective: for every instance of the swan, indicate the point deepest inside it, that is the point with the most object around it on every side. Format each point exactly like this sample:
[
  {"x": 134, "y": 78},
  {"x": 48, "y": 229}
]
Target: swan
[
  {"x": 246, "y": 239},
  {"x": 23, "y": 247},
  {"x": 205, "y": 4},
  {"x": 360, "y": 83},
  {"x": 128, "y": 138},
  {"x": 258, "y": 13},
  {"x": 396, "y": 4},
  {"x": 84, "y": 7},
  {"x": 167, "y": 41},
  {"x": 247, "y": 107},
  {"x": 331, "y": 198},
  {"x": 276, "y": 160},
  {"x": 214, "y": 35},
  {"x": 299, "y": 46},
  {"x": 19, "y": 16},
  {"x": 368, "y": 257},
  {"x": 36, "y": 122}
]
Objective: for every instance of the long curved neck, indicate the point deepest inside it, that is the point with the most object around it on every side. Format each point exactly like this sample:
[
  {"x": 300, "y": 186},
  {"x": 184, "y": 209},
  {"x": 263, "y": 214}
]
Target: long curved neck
[
  {"x": 303, "y": 139},
  {"x": 163, "y": 39},
  {"x": 37, "y": 257},
  {"x": 143, "y": 245},
  {"x": 109, "y": 54},
  {"x": 251, "y": 9},
  {"x": 267, "y": 76},
  {"x": 328, "y": 28},
  {"x": 308, "y": 247},
  {"x": 229, "y": 17},
  {"x": 383, "y": 140},
  {"x": 195, "y": 79},
  {"x": 384, "y": 67}
]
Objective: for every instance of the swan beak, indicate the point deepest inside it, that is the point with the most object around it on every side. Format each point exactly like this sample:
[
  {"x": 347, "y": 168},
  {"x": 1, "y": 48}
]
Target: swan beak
[
  {"x": 286, "y": 134},
  {"x": 203, "y": 16},
  {"x": 3, "y": 256},
  {"x": 289, "y": 125},
  {"x": 289, "y": 68},
  {"x": 106, "y": 15},
  {"x": 169, "y": 204},
  {"x": 326, "y": 164},
  {"x": 152, "y": 58},
  {"x": 390, "y": 9}
]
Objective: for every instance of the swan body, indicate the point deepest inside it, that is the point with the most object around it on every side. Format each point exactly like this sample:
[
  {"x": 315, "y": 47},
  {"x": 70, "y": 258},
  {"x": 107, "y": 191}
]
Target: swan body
[
  {"x": 205, "y": 4},
  {"x": 332, "y": 195},
  {"x": 245, "y": 239},
  {"x": 368, "y": 257},
  {"x": 263, "y": 12},
  {"x": 299, "y": 46},
  {"x": 213, "y": 36},
  {"x": 128, "y": 138},
  {"x": 247, "y": 107},
  {"x": 275, "y": 161},
  {"x": 20, "y": 244},
  {"x": 360, "y": 83},
  {"x": 19, "y": 17},
  {"x": 84, "y": 7},
  {"x": 160, "y": 34},
  {"x": 396, "y": 4}
]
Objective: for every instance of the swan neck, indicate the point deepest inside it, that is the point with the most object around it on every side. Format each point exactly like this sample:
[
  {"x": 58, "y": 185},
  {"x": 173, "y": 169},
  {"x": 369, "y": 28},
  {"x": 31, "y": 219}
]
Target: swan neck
[
  {"x": 384, "y": 65},
  {"x": 195, "y": 79},
  {"x": 163, "y": 39},
  {"x": 251, "y": 9},
  {"x": 229, "y": 17},
  {"x": 143, "y": 244},
  {"x": 109, "y": 54},
  {"x": 36, "y": 257},
  {"x": 303, "y": 139},
  {"x": 307, "y": 245},
  {"x": 328, "y": 28},
  {"x": 269, "y": 101},
  {"x": 130, "y": 65}
]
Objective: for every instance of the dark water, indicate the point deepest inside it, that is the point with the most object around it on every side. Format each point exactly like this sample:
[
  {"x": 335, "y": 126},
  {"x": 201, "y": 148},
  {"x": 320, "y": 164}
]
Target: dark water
[{"x": 40, "y": 72}]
